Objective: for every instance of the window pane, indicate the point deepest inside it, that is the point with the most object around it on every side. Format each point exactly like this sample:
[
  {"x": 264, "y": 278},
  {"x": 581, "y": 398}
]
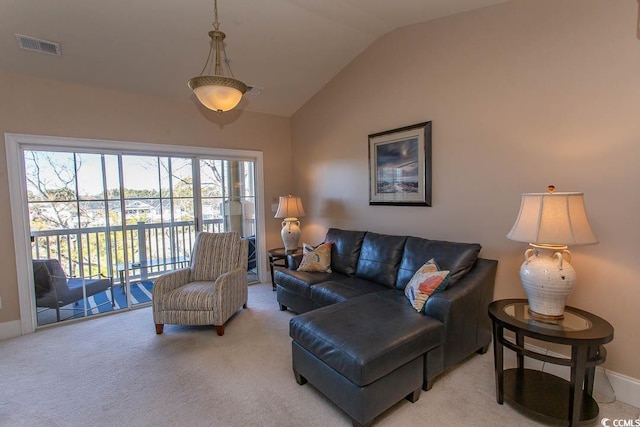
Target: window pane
[
  {"x": 182, "y": 177},
  {"x": 89, "y": 171},
  {"x": 50, "y": 175},
  {"x": 113, "y": 176},
  {"x": 53, "y": 215}
]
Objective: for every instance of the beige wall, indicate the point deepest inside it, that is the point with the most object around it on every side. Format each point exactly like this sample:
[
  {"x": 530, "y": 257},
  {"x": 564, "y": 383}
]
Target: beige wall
[
  {"x": 44, "y": 107},
  {"x": 521, "y": 95}
]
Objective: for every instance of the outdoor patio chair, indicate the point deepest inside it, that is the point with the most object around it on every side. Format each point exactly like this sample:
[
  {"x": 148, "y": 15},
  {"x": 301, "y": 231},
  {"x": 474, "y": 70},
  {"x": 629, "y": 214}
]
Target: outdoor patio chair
[
  {"x": 55, "y": 290},
  {"x": 251, "y": 259},
  {"x": 211, "y": 290}
]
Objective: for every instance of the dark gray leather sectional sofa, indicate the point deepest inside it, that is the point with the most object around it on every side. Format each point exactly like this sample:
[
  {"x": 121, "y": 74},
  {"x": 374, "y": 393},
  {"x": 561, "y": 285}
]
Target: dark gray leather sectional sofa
[{"x": 360, "y": 342}]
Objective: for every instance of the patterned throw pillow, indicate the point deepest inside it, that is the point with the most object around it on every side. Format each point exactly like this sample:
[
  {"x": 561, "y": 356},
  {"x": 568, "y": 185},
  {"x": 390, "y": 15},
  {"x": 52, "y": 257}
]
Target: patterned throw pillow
[
  {"x": 316, "y": 259},
  {"x": 428, "y": 280}
]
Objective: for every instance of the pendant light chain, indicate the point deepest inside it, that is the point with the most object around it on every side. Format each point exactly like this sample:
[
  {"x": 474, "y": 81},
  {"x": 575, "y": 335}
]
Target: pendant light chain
[
  {"x": 216, "y": 24},
  {"x": 214, "y": 44},
  {"x": 218, "y": 45}
]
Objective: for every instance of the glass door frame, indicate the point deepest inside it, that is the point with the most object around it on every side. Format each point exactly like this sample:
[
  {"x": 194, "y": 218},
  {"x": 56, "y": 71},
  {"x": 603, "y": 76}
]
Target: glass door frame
[
  {"x": 159, "y": 262},
  {"x": 16, "y": 144}
]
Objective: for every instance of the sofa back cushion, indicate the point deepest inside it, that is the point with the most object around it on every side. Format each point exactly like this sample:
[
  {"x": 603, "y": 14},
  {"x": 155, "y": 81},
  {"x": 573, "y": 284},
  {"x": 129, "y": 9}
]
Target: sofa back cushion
[
  {"x": 458, "y": 258},
  {"x": 345, "y": 249},
  {"x": 380, "y": 258}
]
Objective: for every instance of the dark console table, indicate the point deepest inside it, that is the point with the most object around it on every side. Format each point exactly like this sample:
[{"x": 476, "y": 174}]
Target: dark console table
[{"x": 540, "y": 393}]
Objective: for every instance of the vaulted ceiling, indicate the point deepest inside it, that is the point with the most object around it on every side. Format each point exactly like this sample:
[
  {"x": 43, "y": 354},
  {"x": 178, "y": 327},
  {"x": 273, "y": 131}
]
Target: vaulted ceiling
[{"x": 291, "y": 48}]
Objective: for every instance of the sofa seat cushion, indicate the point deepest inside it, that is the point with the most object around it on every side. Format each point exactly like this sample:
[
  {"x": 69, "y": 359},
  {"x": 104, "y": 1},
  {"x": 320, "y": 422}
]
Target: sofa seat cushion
[
  {"x": 380, "y": 258},
  {"x": 300, "y": 282},
  {"x": 367, "y": 337},
  {"x": 456, "y": 257},
  {"x": 339, "y": 290}
]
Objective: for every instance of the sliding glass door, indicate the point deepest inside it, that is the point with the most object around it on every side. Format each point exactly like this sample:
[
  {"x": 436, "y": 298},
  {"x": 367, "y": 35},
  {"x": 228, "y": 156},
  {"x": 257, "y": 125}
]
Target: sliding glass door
[
  {"x": 125, "y": 218},
  {"x": 160, "y": 219},
  {"x": 228, "y": 201}
]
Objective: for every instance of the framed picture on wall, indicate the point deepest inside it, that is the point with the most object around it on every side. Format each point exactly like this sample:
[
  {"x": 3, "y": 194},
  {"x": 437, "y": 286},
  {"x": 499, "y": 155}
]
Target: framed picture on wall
[{"x": 400, "y": 166}]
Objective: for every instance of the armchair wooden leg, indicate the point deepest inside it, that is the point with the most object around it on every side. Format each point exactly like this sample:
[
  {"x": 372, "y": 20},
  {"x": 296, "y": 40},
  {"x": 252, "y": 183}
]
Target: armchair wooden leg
[
  {"x": 244, "y": 305},
  {"x": 220, "y": 330},
  {"x": 159, "y": 328}
]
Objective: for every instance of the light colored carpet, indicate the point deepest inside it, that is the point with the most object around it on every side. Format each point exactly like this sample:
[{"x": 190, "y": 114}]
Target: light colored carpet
[{"x": 115, "y": 371}]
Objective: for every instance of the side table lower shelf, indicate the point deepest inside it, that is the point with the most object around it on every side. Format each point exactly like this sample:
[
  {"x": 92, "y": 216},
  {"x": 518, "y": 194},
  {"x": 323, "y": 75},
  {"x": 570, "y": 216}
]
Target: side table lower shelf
[{"x": 545, "y": 395}]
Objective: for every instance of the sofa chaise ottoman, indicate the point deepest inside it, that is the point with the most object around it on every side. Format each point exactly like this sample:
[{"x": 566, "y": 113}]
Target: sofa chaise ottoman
[
  {"x": 359, "y": 340},
  {"x": 365, "y": 354}
]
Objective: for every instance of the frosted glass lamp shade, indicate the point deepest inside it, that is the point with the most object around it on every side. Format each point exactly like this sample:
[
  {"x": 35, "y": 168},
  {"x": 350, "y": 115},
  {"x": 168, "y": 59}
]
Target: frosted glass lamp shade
[{"x": 218, "y": 93}]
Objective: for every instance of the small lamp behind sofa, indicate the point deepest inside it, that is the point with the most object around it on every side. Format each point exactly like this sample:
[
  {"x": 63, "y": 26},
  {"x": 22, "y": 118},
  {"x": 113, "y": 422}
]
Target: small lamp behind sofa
[{"x": 290, "y": 208}]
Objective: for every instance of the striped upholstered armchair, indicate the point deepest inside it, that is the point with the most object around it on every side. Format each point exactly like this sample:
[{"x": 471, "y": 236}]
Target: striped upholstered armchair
[{"x": 210, "y": 291}]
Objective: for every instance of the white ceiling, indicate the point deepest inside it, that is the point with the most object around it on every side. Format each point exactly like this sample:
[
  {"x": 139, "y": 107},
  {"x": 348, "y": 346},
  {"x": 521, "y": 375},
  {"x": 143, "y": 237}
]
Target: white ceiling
[{"x": 290, "y": 47}]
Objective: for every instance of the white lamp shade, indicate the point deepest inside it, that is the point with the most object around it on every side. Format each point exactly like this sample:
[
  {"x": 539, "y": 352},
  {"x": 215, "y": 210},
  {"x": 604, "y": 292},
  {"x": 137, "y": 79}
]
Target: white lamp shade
[
  {"x": 290, "y": 207},
  {"x": 553, "y": 219}
]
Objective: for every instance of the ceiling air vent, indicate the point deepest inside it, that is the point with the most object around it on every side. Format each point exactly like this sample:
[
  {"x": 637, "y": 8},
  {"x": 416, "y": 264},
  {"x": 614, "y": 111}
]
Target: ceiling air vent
[
  {"x": 254, "y": 90},
  {"x": 37, "y": 45}
]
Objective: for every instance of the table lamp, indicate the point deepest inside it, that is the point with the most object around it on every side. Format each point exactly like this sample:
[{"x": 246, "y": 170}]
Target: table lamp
[
  {"x": 290, "y": 208},
  {"x": 550, "y": 222}
]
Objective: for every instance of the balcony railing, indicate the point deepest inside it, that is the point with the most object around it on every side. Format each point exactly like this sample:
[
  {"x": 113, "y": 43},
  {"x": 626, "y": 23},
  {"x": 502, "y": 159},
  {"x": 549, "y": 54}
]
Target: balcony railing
[{"x": 96, "y": 250}]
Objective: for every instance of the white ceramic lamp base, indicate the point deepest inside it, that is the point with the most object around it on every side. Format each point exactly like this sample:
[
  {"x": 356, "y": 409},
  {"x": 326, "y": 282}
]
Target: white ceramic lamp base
[
  {"x": 290, "y": 233},
  {"x": 547, "y": 278}
]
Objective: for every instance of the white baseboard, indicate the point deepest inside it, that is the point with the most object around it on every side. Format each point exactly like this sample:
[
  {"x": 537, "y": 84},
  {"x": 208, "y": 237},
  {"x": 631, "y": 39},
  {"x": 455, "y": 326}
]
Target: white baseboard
[
  {"x": 627, "y": 389},
  {"x": 10, "y": 329},
  {"x": 608, "y": 385}
]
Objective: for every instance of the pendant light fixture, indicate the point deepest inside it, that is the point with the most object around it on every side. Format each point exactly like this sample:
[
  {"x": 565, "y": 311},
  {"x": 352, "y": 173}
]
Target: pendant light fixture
[{"x": 217, "y": 92}]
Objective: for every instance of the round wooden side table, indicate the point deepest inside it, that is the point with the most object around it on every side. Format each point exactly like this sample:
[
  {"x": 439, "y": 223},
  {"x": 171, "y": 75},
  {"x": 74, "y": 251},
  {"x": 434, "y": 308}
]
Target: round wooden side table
[{"x": 540, "y": 393}]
